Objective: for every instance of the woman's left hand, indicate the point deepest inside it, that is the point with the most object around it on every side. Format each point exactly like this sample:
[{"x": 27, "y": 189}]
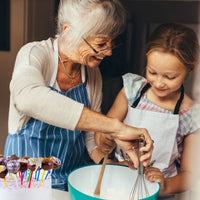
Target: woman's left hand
[
  {"x": 105, "y": 142},
  {"x": 153, "y": 174}
]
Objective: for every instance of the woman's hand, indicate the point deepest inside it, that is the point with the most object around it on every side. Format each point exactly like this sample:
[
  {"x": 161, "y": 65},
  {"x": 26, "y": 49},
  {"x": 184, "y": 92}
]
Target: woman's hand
[
  {"x": 126, "y": 139},
  {"x": 105, "y": 142},
  {"x": 153, "y": 174}
]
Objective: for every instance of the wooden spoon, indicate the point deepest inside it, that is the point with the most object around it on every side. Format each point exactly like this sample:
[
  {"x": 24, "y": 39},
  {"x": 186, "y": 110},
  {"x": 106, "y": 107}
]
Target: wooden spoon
[{"x": 98, "y": 186}]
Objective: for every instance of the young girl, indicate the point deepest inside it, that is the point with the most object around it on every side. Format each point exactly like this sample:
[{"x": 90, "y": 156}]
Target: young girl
[{"x": 159, "y": 104}]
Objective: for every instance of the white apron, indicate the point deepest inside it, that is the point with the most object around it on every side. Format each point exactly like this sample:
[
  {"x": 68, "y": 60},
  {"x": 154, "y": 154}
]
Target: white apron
[{"x": 162, "y": 128}]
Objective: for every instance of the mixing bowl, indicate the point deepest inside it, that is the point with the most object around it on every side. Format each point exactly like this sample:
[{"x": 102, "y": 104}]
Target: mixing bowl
[{"x": 117, "y": 183}]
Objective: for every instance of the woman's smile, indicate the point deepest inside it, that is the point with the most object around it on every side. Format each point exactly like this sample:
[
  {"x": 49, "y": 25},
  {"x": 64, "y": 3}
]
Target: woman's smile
[
  {"x": 94, "y": 61},
  {"x": 98, "y": 58}
]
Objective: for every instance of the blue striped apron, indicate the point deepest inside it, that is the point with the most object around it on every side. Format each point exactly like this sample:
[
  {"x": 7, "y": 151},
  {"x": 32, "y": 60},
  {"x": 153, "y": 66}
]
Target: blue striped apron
[{"x": 39, "y": 139}]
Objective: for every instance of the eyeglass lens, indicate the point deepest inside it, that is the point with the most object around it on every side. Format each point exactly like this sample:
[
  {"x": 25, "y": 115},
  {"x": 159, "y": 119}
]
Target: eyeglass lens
[{"x": 103, "y": 50}]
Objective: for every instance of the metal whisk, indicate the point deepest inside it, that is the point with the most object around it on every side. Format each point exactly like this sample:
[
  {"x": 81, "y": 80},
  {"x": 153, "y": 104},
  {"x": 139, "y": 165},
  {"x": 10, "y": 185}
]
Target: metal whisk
[{"x": 139, "y": 190}]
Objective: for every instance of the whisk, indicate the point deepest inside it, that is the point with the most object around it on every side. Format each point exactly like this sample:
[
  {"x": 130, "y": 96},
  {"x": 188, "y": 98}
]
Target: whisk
[{"x": 139, "y": 190}]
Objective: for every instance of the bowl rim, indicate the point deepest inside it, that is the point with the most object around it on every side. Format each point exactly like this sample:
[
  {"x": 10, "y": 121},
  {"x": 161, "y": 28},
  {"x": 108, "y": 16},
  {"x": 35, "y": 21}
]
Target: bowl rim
[{"x": 69, "y": 184}]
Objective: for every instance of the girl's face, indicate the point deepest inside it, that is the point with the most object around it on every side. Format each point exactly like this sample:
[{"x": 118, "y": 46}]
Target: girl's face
[
  {"x": 165, "y": 73},
  {"x": 93, "y": 50}
]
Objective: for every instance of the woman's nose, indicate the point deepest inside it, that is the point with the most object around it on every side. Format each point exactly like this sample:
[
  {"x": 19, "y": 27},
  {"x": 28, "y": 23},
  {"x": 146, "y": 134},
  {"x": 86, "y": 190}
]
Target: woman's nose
[{"x": 108, "y": 52}]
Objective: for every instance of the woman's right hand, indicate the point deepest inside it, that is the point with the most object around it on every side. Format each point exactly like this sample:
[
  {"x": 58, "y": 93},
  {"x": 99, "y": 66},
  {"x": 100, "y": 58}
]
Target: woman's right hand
[
  {"x": 123, "y": 134},
  {"x": 126, "y": 137}
]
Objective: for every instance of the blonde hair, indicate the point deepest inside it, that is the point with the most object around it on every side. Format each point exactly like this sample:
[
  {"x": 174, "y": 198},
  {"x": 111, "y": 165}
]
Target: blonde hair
[
  {"x": 106, "y": 18},
  {"x": 178, "y": 40}
]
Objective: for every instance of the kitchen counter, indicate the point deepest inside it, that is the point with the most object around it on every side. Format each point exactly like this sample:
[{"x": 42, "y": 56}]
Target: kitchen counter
[{"x": 60, "y": 195}]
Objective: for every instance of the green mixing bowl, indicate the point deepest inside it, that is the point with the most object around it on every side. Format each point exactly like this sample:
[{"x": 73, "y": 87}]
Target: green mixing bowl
[{"x": 117, "y": 183}]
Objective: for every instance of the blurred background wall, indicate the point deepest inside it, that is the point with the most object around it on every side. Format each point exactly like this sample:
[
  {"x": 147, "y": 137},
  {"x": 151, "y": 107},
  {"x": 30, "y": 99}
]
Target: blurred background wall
[{"x": 28, "y": 20}]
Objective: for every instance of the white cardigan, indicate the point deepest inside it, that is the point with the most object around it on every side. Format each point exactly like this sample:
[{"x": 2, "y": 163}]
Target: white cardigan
[{"x": 30, "y": 95}]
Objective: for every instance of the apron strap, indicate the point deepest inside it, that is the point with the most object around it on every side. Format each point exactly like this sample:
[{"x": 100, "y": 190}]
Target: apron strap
[
  {"x": 144, "y": 89},
  {"x": 178, "y": 104},
  {"x": 147, "y": 86}
]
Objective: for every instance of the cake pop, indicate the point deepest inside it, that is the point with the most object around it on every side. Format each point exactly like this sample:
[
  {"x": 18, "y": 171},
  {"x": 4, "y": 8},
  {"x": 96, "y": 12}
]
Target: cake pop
[
  {"x": 3, "y": 171},
  {"x": 2, "y": 160},
  {"x": 12, "y": 157},
  {"x": 26, "y": 157},
  {"x": 34, "y": 164},
  {"x": 56, "y": 162},
  {"x": 47, "y": 164},
  {"x": 13, "y": 166},
  {"x": 23, "y": 164}
]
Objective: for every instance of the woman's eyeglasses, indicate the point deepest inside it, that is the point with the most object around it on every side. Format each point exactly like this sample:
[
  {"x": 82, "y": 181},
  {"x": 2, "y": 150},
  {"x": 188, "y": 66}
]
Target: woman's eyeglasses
[{"x": 103, "y": 50}]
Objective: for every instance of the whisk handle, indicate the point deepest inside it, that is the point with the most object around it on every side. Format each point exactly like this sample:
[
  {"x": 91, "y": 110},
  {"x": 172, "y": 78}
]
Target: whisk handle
[{"x": 141, "y": 167}]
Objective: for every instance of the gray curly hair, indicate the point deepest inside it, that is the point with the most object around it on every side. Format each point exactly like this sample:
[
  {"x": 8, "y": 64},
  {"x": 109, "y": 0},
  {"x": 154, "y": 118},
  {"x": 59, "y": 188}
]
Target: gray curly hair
[{"x": 104, "y": 18}]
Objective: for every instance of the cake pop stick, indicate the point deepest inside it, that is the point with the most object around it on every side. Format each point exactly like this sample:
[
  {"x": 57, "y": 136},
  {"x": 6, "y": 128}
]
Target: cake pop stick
[
  {"x": 29, "y": 175},
  {"x": 47, "y": 175},
  {"x": 29, "y": 185},
  {"x": 4, "y": 180},
  {"x": 38, "y": 175},
  {"x": 42, "y": 179},
  {"x": 21, "y": 178},
  {"x": 25, "y": 174},
  {"x": 11, "y": 177},
  {"x": 35, "y": 175},
  {"x": 16, "y": 181}
]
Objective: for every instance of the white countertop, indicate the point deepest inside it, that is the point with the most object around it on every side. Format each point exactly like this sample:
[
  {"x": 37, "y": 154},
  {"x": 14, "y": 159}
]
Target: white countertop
[{"x": 60, "y": 195}]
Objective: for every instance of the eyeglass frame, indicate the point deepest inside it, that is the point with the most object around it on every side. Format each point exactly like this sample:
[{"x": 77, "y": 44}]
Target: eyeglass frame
[{"x": 100, "y": 51}]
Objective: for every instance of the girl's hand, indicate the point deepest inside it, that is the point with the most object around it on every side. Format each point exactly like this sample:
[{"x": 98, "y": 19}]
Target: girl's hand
[
  {"x": 105, "y": 142},
  {"x": 153, "y": 174}
]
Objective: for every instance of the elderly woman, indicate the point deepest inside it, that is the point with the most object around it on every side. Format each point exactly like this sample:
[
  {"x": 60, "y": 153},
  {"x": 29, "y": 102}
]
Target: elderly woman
[{"x": 56, "y": 90}]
